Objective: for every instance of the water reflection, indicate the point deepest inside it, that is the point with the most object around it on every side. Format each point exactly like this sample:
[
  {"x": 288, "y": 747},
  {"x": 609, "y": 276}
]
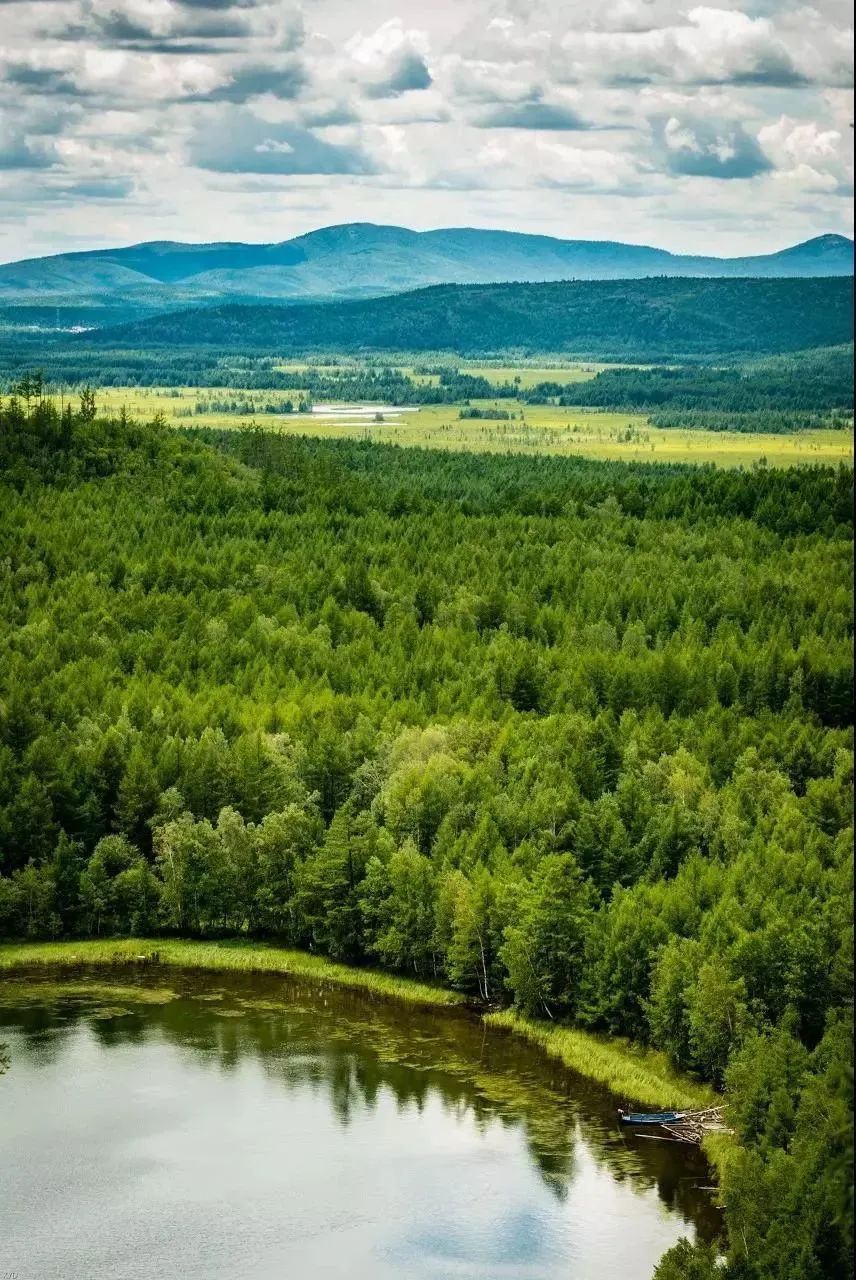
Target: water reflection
[{"x": 329, "y": 1128}]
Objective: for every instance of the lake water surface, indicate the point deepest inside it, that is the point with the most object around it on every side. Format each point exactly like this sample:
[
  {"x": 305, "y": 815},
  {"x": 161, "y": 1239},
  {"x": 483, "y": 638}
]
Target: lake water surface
[{"x": 206, "y": 1126}]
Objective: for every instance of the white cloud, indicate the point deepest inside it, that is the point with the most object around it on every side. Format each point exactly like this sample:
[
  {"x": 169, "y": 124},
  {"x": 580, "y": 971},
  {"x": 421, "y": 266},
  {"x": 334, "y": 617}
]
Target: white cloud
[
  {"x": 540, "y": 114},
  {"x": 807, "y": 157},
  {"x": 704, "y": 147},
  {"x": 711, "y": 46},
  {"x": 789, "y": 140},
  {"x": 519, "y": 163},
  {"x": 391, "y": 60}
]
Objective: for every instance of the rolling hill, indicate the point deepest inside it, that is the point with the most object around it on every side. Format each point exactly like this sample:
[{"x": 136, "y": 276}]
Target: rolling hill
[
  {"x": 359, "y": 260},
  {"x": 639, "y": 319}
]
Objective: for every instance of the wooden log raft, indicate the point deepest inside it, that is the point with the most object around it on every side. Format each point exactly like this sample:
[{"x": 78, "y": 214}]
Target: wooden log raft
[{"x": 681, "y": 1126}]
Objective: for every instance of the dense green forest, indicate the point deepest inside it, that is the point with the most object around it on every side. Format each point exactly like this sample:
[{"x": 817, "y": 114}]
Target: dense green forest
[
  {"x": 573, "y": 735},
  {"x": 635, "y": 319}
]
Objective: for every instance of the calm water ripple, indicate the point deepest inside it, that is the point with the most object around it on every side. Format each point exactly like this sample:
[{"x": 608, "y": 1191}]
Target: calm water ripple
[{"x": 202, "y": 1126}]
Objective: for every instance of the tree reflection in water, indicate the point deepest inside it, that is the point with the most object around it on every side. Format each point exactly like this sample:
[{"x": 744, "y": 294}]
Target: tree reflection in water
[{"x": 360, "y": 1049}]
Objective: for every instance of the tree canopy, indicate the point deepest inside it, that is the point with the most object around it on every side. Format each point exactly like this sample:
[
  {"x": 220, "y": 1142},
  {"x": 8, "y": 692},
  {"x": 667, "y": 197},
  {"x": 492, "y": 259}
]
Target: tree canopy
[{"x": 573, "y": 735}]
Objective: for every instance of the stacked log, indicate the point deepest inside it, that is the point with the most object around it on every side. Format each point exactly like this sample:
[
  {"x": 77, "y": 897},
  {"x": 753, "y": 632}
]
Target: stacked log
[{"x": 693, "y": 1125}]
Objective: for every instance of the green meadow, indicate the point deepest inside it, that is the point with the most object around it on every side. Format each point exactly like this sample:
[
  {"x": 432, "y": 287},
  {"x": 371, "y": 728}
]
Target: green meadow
[{"x": 531, "y": 429}]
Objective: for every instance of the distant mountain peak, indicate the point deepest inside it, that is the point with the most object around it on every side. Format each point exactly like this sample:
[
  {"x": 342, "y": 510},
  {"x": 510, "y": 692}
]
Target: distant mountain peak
[
  {"x": 831, "y": 241},
  {"x": 365, "y": 259}
]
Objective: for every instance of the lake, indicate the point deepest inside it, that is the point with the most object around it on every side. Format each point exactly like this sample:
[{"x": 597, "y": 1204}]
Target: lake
[{"x": 171, "y": 1124}]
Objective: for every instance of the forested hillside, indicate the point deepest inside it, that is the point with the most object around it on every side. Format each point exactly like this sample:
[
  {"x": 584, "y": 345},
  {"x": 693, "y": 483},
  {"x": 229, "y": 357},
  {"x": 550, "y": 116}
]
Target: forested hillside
[
  {"x": 634, "y": 319},
  {"x": 576, "y": 736}
]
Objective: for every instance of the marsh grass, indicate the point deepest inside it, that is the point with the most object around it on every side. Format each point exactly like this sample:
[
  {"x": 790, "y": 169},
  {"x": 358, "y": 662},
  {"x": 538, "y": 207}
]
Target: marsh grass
[
  {"x": 640, "y": 1075},
  {"x": 228, "y": 956},
  {"x": 536, "y": 429}
]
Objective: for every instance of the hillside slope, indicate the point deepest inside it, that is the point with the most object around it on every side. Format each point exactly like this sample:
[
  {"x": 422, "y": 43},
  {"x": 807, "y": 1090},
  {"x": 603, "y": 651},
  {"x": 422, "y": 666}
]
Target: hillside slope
[{"x": 645, "y": 318}]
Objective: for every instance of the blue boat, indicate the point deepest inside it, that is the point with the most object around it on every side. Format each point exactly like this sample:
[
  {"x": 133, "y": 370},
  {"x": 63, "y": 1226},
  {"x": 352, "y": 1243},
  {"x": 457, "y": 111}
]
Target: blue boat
[{"x": 650, "y": 1117}]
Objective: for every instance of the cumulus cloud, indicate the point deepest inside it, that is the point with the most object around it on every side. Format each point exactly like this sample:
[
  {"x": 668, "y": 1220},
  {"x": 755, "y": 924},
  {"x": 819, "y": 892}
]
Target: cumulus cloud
[
  {"x": 44, "y": 80},
  {"x": 181, "y": 27},
  {"x": 279, "y": 79},
  {"x": 216, "y": 4},
  {"x": 534, "y": 113},
  {"x": 18, "y": 151},
  {"x": 242, "y": 142},
  {"x": 808, "y": 156},
  {"x": 706, "y": 44},
  {"x": 589, "y": 169},
  {"x": 713, "y": 46},
  {"x": 96, "y": 189},
  {"x": 711, "y": 149},
  {"x": 794, "y": 142},
  {"x": 390, "y": 61},
  {"x": 516, "y": 163}
]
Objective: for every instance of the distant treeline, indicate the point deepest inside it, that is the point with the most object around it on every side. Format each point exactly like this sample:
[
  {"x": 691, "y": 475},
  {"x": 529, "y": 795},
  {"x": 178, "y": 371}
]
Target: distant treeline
[
  {"x": 805, "y": 381},
  {"x": 244, "y": 408},
  {"x": 800, "y": 391},
  {"x": 492, "y": 415},
  {"x": 772, "y": 421},
  {"x": 200, "y": 368}
]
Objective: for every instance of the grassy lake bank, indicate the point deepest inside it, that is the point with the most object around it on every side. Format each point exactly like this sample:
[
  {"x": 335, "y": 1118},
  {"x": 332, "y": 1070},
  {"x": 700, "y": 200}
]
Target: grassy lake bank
[
  {"x": 227, "y": 956},
  {"x": 628, "y": 1070},
  {"x": 420, "y": 1113}
]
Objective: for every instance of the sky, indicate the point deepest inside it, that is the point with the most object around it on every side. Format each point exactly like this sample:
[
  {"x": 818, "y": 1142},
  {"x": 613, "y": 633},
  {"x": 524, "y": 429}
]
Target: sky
[{"x": 714, "y": 128}]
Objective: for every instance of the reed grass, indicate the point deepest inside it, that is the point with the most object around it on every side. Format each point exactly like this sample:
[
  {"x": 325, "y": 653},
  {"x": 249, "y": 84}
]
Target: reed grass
[
  {"x": 640, "y": 1075},
  {"x": 630, "y": 1071},
  {"x": 231, "y": 956}
]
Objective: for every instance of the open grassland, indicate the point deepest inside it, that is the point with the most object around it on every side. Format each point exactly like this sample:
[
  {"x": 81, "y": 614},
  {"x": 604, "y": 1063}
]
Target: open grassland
[
  {"x": 531, "y": 375},
  {"x": 496, "y": 371},
  {"x": 568, "y": 431}
]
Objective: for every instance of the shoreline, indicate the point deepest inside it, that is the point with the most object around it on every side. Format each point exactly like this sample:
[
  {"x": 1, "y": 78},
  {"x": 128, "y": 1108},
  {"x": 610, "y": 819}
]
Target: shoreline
[
  {"x": 641, "y": 1074},
  {"x": 222, "y": 957}
]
